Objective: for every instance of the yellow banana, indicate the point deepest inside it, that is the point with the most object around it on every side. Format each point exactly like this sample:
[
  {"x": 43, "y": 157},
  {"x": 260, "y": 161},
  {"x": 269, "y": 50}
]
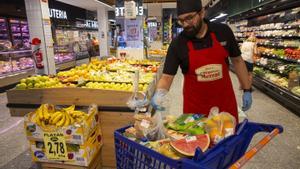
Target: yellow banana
[
  {"x": 45, "y": 112},
  {"x": 77, "y": 113},
  {"x": 62, "y": 121},
  {"x": 69, "y": 109},
  {"x": 39, "y": 112},
  {"x": 51, "y": 108},
  {"x": 71, "y": 120},
  {"x": 67, "y": 121},
  {"x": 58, "y": 118},
  {"x": 53, "y": 116}
]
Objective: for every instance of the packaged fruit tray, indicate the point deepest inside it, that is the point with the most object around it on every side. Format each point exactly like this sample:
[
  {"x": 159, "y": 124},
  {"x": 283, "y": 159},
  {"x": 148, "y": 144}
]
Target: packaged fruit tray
[
  {"x": 74, "y": 124},
  {"x": 78, "y": 154}
]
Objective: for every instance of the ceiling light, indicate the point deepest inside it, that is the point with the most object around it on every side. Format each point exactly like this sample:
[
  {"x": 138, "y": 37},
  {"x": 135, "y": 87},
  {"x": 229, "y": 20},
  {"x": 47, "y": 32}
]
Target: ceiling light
[
  {"x": 221, "y": 15},
  {"x": 214, "y": 19}
]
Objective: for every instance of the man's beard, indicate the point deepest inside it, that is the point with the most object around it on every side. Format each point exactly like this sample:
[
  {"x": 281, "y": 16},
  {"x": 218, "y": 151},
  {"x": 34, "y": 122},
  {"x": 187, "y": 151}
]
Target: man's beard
[{"x": 192, "y": 31}]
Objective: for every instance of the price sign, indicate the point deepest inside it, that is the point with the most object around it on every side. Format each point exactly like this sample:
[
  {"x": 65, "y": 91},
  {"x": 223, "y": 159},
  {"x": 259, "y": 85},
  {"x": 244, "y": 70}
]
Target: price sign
[{"x": 55, "y": 145}]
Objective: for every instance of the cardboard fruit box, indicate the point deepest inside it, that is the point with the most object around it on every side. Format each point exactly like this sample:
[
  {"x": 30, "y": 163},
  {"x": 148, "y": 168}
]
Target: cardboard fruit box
[
  {"x": 80, "y": 155},
  {"x": 77, "y": 133}
]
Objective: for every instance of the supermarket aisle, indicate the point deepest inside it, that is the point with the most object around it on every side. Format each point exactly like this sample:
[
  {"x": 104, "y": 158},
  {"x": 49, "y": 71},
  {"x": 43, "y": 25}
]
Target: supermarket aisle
[{"x": 282, "y": 152}]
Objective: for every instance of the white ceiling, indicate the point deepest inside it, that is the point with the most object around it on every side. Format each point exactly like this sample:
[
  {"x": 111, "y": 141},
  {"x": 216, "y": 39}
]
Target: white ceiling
[
  {"x": 93, "y": 4},
  {"x": 86, "y": 4}
]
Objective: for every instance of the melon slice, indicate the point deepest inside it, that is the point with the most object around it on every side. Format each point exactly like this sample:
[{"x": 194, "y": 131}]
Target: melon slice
[{"x": 188, "y": 146}]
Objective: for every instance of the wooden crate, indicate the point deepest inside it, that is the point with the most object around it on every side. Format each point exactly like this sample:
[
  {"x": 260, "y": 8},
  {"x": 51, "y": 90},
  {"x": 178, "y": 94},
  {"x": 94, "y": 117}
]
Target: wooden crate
[
  {"x": 95, "y": 164},
  {"x": 69, "y": 96},
  {"x": 111, "y": 121}
]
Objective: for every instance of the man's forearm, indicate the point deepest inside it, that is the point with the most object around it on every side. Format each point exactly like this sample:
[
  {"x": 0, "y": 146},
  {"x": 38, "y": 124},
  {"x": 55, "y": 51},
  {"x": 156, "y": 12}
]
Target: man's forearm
[
  {"x": 165, "y": 82},
  {"x": 241, "y": 72}
]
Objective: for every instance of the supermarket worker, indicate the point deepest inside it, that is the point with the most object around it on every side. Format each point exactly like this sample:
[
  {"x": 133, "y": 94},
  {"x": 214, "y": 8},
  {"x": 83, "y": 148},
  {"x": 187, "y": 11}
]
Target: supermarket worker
[
  {"x": 249, "y": 49},
  {"x": 202, "y": 52}
]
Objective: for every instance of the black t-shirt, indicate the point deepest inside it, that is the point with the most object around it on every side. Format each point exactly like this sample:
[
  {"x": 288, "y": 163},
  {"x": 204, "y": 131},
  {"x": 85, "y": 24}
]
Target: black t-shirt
[{"x": 178, "y": 50}]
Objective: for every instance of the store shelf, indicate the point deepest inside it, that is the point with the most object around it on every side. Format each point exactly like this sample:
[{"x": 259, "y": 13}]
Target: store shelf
[
  {"x": 270, "y": 69},
  {"x": 282, "y": 37},
  {"x": 271, "y": 29},
  {"x": 15, "y": 77},
  {"x": 273, "y": 45},
  {"x": 271, "y": 56},
  {"x": 283, "y": 96},
  {"x": 15, "y": 52}
]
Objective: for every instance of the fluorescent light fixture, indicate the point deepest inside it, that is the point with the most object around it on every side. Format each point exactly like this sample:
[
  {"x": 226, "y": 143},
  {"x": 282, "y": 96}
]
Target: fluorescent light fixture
[
  {"x": 102, "y": 3},
  {"x": 214, "y": 19},
  {"x": 112, "y": 20},
  {"x": 221, "y": 15}
]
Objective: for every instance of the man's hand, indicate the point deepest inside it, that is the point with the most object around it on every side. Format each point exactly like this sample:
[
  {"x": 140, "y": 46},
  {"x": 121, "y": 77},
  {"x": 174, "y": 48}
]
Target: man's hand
[
  {"x": 247, "y": 101},
  {"x": 158, "y": 99}
]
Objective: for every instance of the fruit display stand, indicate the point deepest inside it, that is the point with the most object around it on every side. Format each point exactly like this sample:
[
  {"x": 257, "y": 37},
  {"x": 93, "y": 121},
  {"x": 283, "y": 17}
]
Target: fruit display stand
[
  {"x": 67, "y": 137},
  {"x": 112, "y": 106}
]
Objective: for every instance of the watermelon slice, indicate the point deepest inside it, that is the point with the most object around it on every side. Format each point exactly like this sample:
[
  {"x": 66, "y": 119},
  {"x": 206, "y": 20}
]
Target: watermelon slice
[{"x": 188, "y": 146}]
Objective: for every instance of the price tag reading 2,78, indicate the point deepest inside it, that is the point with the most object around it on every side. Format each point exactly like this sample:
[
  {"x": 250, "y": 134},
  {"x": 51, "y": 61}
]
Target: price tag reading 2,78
[{"x": 55, "y": 146}]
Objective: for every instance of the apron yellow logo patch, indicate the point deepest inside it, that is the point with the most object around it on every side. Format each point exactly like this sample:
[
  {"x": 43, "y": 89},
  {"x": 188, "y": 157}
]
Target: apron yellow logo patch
[{"x": 209, "y": 73}]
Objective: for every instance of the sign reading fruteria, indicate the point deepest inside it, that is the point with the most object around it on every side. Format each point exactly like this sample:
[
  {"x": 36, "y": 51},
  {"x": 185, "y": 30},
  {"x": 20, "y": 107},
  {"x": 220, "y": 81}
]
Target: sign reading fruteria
[{"x": 58, "y": 14}]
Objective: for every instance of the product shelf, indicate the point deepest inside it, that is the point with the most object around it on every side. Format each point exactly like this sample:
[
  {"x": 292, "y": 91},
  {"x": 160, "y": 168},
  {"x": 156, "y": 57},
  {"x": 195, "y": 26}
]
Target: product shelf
[{"x": 282, "y": 95}]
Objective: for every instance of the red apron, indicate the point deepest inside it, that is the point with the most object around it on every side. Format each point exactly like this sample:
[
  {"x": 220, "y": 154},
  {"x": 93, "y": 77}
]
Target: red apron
[{"x": 207, "y": 83}]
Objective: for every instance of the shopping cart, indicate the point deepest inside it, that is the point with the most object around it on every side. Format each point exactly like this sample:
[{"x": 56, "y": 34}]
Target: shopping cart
[{"x": 229, "y": 153}]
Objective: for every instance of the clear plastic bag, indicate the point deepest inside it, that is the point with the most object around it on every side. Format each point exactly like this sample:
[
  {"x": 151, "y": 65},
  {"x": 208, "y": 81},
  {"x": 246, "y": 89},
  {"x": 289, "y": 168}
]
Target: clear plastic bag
[
  {"x": 149, "y": 127},
  {"x": 219, "y": 125}
]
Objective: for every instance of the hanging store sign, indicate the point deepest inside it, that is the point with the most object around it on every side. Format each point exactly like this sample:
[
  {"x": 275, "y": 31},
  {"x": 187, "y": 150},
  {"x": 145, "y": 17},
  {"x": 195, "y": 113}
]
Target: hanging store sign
[
  {"x": 120, "y": 8},
  {"x": 87, "y": 24},
  {"x": 120, "y": 11},
  {"x": 58, "y": 14},
  {"x": 91, "y": 24},
  {"x": 130, "y": 10}
]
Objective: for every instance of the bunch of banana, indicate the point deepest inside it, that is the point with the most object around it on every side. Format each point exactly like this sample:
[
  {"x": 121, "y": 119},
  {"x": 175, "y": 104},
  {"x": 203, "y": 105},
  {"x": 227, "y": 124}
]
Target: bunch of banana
[
  {"x": 61, "y": 118},
  {"x": 78, "y": 115},
  {"x": 46, "y": 115},
  {"x": 66, "y": 117},
  {"x": 43, "y": 114}
]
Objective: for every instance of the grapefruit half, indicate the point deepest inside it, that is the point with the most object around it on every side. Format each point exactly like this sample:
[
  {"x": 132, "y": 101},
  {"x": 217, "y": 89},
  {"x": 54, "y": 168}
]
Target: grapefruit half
[{"x": 188, "y": 146}]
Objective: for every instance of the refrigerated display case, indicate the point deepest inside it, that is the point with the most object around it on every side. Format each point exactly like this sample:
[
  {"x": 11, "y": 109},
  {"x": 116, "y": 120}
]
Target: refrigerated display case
[
  {"x": 15, "y": 65},
  {"x": 64, "y": 55}
]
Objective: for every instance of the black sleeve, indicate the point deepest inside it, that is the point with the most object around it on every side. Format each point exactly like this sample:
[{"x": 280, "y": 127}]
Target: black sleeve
[
  {"x": 172, "y": 60},
  {"x": 232, "y": 46}
]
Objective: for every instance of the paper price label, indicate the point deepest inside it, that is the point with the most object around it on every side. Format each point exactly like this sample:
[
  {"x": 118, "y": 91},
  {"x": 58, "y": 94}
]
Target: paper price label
[
  {"x": 55, "y": 146},
  {"x": 190, "y": 138},
  {"x": 145, "y": 123}
]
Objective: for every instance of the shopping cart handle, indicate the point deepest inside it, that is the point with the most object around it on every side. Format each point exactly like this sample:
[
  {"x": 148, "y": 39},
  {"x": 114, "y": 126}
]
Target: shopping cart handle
[
  {"x": 258, "y": 127},
  {"x": 249, "y": 154}
]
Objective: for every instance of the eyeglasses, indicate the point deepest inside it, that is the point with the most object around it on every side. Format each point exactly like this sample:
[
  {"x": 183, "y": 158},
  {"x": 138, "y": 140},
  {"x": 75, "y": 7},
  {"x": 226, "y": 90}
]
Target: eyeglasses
[{"x": 188, "y": 19}]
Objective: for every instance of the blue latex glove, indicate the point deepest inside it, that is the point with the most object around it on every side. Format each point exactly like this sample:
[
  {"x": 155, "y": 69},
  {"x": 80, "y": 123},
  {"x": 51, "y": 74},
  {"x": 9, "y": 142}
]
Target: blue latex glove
[
  {"x": 247, "y": 101},
  {"x": 158, "y": 99}
]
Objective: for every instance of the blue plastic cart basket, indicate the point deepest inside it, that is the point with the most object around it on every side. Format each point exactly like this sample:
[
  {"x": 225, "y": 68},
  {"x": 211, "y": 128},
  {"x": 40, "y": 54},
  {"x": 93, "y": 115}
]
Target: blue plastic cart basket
[{"x": 229, "y": 153}]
